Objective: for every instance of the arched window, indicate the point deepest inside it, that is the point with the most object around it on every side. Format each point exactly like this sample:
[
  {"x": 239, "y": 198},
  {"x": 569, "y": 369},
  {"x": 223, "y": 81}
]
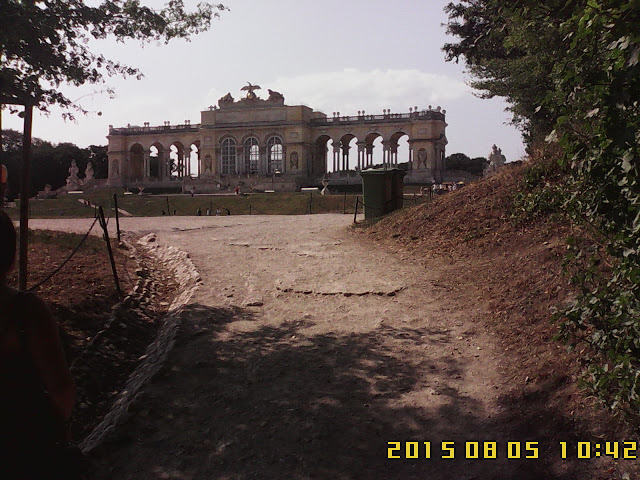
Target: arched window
[
  {"x": 251, "y": 155},
  {"x": 275, "y": 155},
  {"x": 229, "y": 156}
]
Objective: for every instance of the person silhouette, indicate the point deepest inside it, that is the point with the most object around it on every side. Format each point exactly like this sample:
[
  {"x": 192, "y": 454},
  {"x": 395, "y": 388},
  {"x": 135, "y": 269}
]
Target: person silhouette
[{"x": 37, "y": 391}]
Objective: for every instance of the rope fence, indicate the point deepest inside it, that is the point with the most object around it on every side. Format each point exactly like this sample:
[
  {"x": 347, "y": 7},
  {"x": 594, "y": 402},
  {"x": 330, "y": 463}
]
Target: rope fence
[
  {"x": 100, "y": 218},
  {"x": 65, "y": 261}
]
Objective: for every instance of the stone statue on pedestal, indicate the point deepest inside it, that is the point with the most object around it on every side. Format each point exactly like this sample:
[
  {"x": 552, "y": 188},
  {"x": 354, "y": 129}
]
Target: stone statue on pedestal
[
  {"x": 496, "y": 160},
  {"x": 73, "y": 182},
  {"x": 88, "y": 173}
]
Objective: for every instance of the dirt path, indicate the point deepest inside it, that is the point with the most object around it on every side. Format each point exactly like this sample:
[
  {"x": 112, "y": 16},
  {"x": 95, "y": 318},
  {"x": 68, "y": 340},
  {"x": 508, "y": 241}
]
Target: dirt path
[{"x": 306, "y": 350}]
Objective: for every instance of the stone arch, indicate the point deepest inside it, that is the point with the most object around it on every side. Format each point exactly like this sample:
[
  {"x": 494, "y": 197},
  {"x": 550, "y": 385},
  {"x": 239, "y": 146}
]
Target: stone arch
[
  {"x": 346, "y": 146},
  {"x": 399, "y": 150},
  {"x": 156, "y": 160},
  {"x": 266, "y": 137},
  {"x": 250, "y": 154},
  {"x": 228, "y": 155},
  {"x": 372, "y": 153},
  {"x": 248, "y": 135},
  {"x": 176, "y": 159},
  {"x": 227, "y": 136},
  {"x": 193, "y": 159},
  {"x": 136, "y": 163},
  {"x": 275, "y": 154},
  {"x": 319, "y": 157}
]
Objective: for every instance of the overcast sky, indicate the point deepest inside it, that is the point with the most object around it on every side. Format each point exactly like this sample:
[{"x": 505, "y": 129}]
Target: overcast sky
[{"x": 331, "y": 55}]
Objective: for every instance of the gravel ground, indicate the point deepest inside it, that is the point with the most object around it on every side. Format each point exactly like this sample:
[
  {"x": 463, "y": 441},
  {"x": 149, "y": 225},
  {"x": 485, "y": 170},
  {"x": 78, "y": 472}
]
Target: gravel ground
[{"x": 305, "y": 350}]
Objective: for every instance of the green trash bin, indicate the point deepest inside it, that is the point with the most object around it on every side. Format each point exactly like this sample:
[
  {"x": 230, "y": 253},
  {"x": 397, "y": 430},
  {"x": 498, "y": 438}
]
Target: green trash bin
[
  {"x": 381, "y": 191},
  {"x": 397, "y": 188}
]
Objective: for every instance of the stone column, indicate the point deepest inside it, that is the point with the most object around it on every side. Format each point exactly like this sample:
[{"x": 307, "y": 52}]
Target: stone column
[
  {"x": 386, "y": 154},
  {"x": 369, "y": 155},
  {"x": 217, "y": 161},
  {"x": 394, "y": 154},
  {"x": 146, "y": 164},
  {"x": 161, "y": 165},
  {"x": 336, "y": 156},
  {"x": 262, "y": 166},
  {"x": 361, "y": 155},
  {"x": 283, "y": 167},
  {"x": 345, "y": 157},
  {"x": 187, "y": 162}
]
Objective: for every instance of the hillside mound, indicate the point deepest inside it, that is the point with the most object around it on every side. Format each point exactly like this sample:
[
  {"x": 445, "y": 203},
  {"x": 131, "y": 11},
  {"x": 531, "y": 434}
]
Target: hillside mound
[{"x": 512, "y": 269}]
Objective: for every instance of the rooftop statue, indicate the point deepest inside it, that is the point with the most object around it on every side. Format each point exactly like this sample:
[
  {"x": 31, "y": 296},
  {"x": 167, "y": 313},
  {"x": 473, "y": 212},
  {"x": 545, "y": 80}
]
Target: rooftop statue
[
  {"x": 250, "y": 88},
  {"x": 226, "y": 99},
  {"x": 275, "y": 96}
]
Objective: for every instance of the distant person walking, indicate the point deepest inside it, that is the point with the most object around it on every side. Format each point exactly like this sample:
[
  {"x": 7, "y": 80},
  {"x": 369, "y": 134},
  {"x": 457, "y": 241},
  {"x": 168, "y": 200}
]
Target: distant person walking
[{"x": 36, "y": 390}]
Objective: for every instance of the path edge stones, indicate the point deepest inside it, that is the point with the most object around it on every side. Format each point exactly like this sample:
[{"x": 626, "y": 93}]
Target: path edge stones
[{"x": 157, "y": 352}]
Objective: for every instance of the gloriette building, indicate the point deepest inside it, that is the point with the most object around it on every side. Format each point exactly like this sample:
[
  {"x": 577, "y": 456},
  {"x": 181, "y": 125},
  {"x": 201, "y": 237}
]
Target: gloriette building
[{"x": 265, "y": 144}]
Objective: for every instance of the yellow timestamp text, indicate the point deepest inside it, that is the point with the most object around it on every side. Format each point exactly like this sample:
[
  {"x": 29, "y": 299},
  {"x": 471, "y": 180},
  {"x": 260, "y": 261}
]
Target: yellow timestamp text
[
  {"x": 468, "y": 450},
  {"x": 509, "y": 450},
  {"x": 623, "y": 450}
]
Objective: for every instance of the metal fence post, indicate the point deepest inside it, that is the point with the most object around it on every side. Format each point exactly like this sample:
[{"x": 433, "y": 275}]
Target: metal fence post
[
  {"x": 103, "y": 224},
  {"x": 115, "y": 203},
  {"x": 355, "y": 210}
]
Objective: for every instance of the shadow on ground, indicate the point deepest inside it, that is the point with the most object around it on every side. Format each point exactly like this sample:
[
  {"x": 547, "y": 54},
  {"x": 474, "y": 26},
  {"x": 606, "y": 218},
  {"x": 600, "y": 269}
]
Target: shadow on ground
[{"x": 274, "y": 402}]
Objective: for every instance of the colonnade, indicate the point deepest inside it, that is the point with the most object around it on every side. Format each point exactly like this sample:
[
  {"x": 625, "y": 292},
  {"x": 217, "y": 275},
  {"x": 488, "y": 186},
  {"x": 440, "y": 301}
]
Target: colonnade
[
  {"x": 138, "y": 164},
  {"x": 365, "y": 155}
]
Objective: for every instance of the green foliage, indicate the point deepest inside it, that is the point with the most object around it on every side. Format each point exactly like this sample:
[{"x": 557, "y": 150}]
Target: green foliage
[
  {"x": 574, "y": 66},
  {"x": 44, "y": 44},
  {"x": 460, "y": 161},
  {"x": 49, "y": 163},
  {"x": 543, "y": 190},
  {"x": 511, "y": 49}
]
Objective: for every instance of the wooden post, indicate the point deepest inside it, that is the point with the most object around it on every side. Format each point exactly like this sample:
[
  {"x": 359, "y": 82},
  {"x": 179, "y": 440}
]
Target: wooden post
[
  {"x": 115, "y": 203},
  {"x": 310, "y": 201},
  {"x": 103, "y": 224},
  {"x": 249, "y": 209},
  {"x": 24, "y": 196},
  {"x": 168, "y": 209},
  {"x": 355, "y": 210}
]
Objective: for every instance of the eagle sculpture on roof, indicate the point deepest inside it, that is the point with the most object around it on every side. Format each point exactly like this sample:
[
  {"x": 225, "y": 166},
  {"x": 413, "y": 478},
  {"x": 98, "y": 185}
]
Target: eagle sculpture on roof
[{"x": 250, "y": 88}]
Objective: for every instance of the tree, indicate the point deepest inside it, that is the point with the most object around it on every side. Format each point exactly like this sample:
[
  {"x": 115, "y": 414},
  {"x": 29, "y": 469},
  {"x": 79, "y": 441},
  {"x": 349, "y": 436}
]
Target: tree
[
  {"x": 45, "y": 44},
  {"x": 572, "y": 69},
  {"x": 460, "y": 161},
  {"x": 511, "y": 48},
  {"x": 50, "y": 163}
]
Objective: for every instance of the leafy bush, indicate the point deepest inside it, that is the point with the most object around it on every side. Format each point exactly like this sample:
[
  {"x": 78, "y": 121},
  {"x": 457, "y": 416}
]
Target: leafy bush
[{"x": 571, "y": 73}]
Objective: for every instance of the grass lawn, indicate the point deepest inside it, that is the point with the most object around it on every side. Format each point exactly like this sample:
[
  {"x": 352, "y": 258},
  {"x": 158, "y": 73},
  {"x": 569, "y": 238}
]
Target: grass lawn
[{"x": 288, "y": 203}]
